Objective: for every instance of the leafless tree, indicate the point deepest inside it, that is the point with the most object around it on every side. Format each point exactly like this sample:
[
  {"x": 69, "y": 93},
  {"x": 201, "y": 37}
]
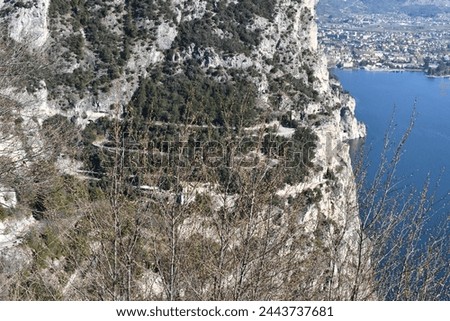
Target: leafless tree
[{"x": 403, "y": 258}]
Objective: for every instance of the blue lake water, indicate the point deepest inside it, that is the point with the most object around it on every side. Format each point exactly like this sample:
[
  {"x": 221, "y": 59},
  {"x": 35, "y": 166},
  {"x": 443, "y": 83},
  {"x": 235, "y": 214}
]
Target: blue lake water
[{"x": 383, "y": 96}]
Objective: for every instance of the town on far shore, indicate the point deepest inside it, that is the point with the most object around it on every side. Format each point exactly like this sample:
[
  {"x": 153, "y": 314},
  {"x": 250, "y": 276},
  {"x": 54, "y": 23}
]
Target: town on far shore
[{"x": 387, "y": 42}]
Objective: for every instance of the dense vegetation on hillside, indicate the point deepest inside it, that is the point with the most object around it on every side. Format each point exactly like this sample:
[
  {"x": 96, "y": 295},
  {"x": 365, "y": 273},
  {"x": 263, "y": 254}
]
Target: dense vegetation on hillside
[
  {"x": 232, "y": 20},
  {"x": 442, "y": 69},
  {"x": 111, "y": 41},
  {"x": 193, "y": 97}
]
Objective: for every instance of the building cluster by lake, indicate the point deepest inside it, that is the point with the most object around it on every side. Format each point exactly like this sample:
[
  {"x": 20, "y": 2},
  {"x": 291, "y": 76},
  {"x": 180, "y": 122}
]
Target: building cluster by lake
[{"x": 391, "y": 41}]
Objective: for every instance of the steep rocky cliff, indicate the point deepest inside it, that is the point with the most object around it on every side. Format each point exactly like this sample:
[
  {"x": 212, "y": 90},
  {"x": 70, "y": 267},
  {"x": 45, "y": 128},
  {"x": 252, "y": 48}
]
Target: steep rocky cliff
[{"x": 139, "y": 58}]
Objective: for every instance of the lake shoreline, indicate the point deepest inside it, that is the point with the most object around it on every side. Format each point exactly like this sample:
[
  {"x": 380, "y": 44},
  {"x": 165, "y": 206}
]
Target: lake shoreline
[
  {"x": 384, "y": 94},
  {"x": 391, "y": 70}
]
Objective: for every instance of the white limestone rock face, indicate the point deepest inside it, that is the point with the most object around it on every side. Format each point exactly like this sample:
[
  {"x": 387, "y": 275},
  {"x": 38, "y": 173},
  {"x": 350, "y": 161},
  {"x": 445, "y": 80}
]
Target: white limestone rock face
[
  {"x": 105, "y": 104},
  {"x": 13, "y": 257},
  {"x": 196, "y": 9},
  {"x": 36, "y": 105},
  {"x": 165, "y": 36},
  {"x": 292, "y": 35},
  {"x": 8, "y": 197},
  {"x": 29, "y": 25},
  {"x": 350, "y": 127},
  {"x": 12, "y": 231}
]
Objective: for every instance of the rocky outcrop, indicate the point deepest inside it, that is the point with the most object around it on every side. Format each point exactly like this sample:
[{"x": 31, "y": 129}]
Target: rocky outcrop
[
  {"x": 8, "y": 197},
  {"x": 12, "y": 231},
  {"x": 13, "y": 257},
  {"x": 29, "y": 23}
]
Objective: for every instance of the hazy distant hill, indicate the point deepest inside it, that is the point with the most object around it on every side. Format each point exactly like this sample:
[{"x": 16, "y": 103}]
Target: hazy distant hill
[{"x": 411, "y": 7}]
